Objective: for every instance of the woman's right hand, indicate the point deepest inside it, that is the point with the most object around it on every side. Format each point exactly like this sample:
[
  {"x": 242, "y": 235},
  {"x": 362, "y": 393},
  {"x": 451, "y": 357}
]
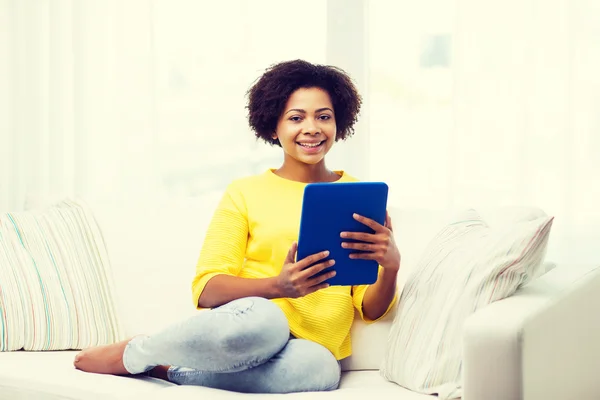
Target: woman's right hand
[{"x": 297, "y": 278}]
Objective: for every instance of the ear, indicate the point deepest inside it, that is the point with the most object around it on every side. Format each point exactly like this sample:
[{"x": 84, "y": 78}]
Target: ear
[{"x": 275, "y": 139}]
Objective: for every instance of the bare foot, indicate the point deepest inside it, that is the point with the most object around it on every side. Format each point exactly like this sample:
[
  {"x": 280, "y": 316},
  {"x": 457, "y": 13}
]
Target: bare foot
[{"x": 103, "y": 359}]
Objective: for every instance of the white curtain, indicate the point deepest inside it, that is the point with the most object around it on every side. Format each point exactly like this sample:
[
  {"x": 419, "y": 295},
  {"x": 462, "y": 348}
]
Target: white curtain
[
  {"x": 488, "y": 104},
  {"x": 64, "y": 101},
  {"x": 142, "y": 99}
]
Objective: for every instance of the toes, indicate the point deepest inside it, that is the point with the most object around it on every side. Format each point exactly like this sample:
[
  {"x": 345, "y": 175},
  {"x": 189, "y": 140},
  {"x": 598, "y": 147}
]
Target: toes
[{"x": 78, "y": 358}]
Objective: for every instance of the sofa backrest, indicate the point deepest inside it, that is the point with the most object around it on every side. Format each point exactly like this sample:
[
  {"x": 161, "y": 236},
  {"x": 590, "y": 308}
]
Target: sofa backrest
[{"x": 153, "y": 250}]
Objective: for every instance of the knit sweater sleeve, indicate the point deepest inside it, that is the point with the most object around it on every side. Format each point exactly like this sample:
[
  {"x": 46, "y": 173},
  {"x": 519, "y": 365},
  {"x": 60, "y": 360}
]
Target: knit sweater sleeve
[{"x": 224, "y": 247}]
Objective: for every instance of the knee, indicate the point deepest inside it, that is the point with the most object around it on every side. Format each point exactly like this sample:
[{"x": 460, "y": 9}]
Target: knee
[
  {"x": 265, "y": 330},
  {"x": 320, "y": 371},
  {"x": 267, "y": 321}
]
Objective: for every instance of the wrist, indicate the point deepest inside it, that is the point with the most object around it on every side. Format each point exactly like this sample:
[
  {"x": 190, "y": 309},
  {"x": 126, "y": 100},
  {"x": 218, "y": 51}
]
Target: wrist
[
  {"x": 390, "y": 273},
  {"x": 275, "y": 290}
]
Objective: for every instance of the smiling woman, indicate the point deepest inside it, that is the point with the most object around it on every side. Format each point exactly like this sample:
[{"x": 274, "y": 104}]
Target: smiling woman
[{"x": 247, "y": 272}]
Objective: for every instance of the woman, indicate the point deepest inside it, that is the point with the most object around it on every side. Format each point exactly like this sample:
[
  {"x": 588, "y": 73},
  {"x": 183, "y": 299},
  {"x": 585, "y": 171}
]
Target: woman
[{"x": 272, "y": 326}]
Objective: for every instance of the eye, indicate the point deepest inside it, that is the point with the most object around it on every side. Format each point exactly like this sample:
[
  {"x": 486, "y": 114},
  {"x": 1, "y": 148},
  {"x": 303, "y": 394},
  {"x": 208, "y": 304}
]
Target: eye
[
  {"x": 325, "y": 117},
  {"x": 295, "y": 118}
]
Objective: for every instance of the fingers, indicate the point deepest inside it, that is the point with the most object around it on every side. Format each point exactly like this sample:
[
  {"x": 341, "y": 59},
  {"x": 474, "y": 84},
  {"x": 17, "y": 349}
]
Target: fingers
[
  {"x": 360, "y": 246},
  {"x": 388, "y": 221},
  {"x": 377, "y": 227},
  {"x": 315, "y": 269},
  {"x": 364, "y": 256},
  {"x": 367, "y": 251},
  {"x": 299, "y": 275},
  {"x": 312, "y": 259},
  {"x": 317, "y": 280},
  {"x": 291, "y": 255},
  {"x": 313, "y": 289},
  {"x": 363, "y": 237}
]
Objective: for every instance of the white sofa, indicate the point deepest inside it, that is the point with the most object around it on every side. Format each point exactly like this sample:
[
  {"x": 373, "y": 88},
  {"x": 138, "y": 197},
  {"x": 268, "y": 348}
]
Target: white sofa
[{"x": 541, "y": 343}]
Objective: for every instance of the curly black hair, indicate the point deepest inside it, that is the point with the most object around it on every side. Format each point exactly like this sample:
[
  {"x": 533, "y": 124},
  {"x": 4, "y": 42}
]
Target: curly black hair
[{"x": 268, "y": 96}]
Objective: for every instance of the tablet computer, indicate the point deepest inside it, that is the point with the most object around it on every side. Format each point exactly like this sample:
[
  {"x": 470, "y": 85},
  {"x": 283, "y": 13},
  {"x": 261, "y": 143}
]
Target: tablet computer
[{"x": 327, "y": 210}]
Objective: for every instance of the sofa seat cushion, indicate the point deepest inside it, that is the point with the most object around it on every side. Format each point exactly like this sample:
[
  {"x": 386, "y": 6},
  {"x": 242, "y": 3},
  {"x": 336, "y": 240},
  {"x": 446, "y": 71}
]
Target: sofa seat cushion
[
  {"x": 51, "y": 376},
  {"x": 354, "y": 385}
]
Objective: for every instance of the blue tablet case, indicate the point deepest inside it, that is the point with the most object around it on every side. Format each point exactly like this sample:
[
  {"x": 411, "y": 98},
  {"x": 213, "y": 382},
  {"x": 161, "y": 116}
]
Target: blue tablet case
[{"x": 327, "y": 210}]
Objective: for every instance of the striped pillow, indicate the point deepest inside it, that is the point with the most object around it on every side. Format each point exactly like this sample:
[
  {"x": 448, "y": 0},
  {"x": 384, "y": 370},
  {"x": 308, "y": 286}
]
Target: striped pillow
[
  {"x": 467, "y": 266},
  {"x": 55, "y": 281}
]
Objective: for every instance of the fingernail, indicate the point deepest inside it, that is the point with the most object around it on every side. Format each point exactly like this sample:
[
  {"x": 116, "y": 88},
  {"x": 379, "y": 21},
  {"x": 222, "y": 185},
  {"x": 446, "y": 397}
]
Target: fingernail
[
  {"x": 331, "y": 262},
  {"x": 326, "y": 253},
  {"x": 355, "y": 215},
  {"x": 344, "y": 234},
  {"x": 344, "y": 244}
]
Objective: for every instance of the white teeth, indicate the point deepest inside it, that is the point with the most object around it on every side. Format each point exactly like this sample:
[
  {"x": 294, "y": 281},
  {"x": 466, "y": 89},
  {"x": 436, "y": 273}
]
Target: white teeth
[{"x": 310, "y": 145}]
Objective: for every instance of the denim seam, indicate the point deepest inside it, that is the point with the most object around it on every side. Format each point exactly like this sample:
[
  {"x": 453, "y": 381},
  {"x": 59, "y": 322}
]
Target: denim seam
[
  {"x": 237, "y": 311},
  {"x": 232, "y": 368},
  {"x": 180, "y": 374}
]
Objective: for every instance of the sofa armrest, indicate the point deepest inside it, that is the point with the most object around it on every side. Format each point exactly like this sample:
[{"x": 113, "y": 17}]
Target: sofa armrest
[{"x": 541, "y": 343}]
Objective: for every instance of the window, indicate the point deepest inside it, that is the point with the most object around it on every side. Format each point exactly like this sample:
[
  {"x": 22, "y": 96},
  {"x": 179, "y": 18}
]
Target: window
[{"x": 410, "y": 79}]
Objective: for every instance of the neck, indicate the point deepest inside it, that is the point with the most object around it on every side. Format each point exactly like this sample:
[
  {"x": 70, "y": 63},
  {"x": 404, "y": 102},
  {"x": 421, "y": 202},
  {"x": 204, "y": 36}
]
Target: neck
[{"x": 306, "y": 173}]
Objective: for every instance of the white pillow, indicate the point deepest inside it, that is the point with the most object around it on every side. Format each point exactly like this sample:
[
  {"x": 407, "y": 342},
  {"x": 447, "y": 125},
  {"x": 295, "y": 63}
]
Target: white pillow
[
  {"x": 467, "y": 266},
  {"x": 56, "y": 290}
]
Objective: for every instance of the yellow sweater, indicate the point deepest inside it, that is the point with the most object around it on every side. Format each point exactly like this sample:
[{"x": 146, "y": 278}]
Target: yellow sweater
[{"x": 249, "y": 236}]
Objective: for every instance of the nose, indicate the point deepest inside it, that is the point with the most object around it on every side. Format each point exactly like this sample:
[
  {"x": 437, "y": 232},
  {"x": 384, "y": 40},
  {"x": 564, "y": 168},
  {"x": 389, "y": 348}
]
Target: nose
[{"x": 310, "y": 127}]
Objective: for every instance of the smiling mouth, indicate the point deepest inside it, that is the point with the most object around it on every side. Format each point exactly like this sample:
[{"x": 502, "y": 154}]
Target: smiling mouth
[{"x": 311, "y": 145}]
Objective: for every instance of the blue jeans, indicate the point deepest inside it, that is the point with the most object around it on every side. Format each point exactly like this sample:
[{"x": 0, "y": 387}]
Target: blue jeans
[{"x": 242, "y": 346}]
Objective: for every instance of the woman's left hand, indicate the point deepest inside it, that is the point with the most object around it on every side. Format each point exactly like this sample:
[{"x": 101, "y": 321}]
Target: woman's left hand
[{"x": 379, "y": 246}]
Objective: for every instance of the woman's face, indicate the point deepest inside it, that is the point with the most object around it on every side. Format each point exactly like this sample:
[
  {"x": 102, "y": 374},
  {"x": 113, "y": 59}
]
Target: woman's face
[{"x": 306, "y": 129}]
